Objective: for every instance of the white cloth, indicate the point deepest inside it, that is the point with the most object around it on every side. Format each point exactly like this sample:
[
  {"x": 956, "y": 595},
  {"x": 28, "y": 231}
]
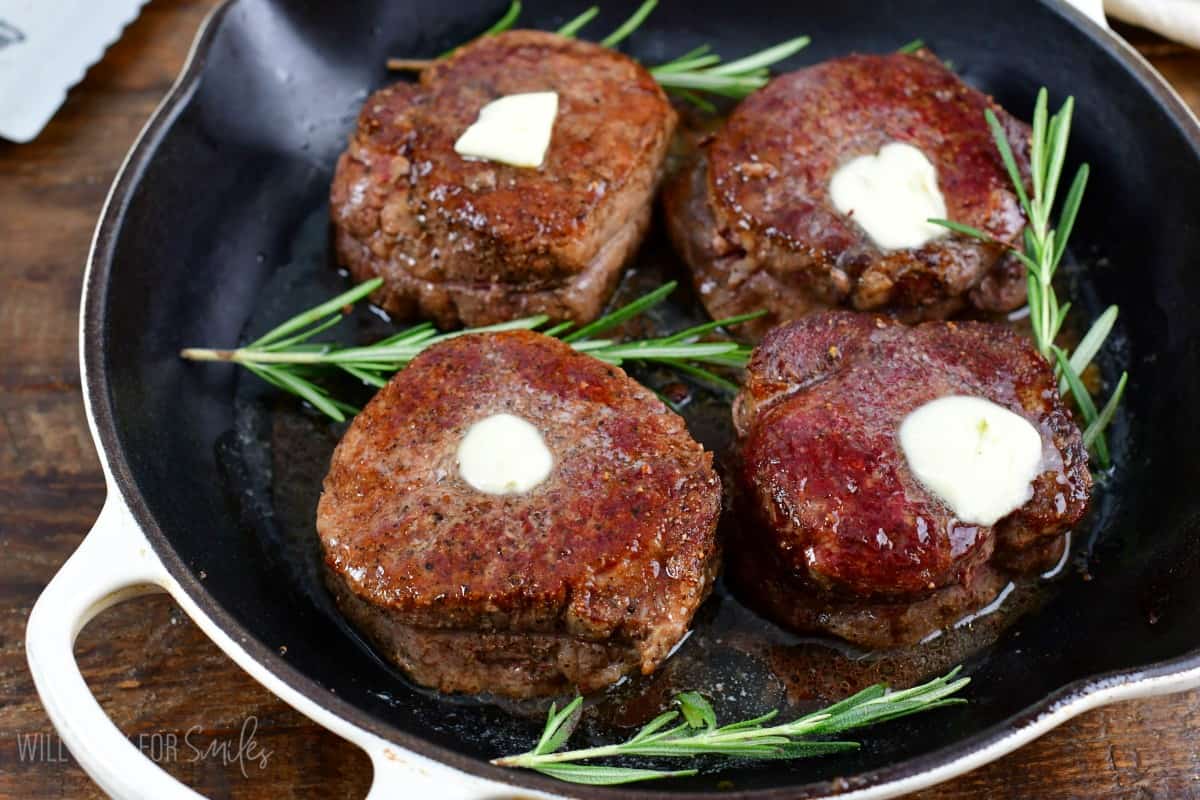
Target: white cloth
[
  {"x": 1174, "y": 19},
  {"x": 46, "y": 46}
]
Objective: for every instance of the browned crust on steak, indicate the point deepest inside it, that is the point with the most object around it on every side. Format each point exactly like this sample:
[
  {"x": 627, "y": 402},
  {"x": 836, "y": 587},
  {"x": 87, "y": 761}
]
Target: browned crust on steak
[
  {"x": 479, "y": 242},
  {"x": 607, "y": 559},
  {"x": 835, "y": 524},
  {"x": 476, "y": 662},
  {"x": 875, "y": 624},
  {"x": 753, "y": 219}
]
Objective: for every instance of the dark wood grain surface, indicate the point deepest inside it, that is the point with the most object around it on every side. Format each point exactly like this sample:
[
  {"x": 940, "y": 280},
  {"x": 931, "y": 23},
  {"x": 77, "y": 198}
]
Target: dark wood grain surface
[{"x": 150, "y": 667}]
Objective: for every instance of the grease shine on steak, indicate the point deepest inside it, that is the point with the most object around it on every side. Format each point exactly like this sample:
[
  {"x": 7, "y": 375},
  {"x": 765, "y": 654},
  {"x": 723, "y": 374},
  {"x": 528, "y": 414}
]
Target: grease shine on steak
[
  {"x": 478, "y": 242},
  {"x": 753, "y": 219},
  {"x": 592, "y": 575},
  {"x": 838, "y": 535}
]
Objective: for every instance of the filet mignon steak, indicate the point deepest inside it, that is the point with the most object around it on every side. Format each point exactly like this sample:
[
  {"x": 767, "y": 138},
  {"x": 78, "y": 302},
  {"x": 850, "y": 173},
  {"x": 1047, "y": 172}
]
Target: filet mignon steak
[
  {"x": 837, "y": 534},
  {"x": 591, "y": 575},
  {"x": 753, "y": 219},
  {"x": 478, "y": 242}
]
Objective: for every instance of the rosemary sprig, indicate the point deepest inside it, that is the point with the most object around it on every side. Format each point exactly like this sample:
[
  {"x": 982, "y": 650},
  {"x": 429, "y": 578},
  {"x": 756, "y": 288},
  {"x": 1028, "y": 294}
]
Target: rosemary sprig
[
  {"x": 509, "y": 19},
  {"x": 697, "y": 71},
  {"x": 692, "y": 731},
  {"x": 1043, "y": 250},
  {"x": 702, "y": 71},
  {"x": 285, "y": 355}
]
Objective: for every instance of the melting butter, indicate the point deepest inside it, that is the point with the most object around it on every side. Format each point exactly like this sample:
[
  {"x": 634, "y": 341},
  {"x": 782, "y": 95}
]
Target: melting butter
[
  {"x": 891, "y": 195},
  {"x": 979, "y": 458},
  {"x": 515, "y": 129},
  {"x": 504, "y": 454}
]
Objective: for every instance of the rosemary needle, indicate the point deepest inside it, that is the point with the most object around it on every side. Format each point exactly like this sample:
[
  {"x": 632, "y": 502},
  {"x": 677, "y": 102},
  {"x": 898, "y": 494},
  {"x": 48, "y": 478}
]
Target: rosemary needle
[
  {"x": 692, "y": 730},
  {"x": 499, "y": 26},
  {"x": 573, "y": 27},
  {"x": 630, "y": 25},
  {"x": 283, "y": 355}
]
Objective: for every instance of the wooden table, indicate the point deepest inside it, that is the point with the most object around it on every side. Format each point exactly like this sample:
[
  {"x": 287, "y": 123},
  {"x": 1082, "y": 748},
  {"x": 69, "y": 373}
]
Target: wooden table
[{"x": 150, "y": 667}]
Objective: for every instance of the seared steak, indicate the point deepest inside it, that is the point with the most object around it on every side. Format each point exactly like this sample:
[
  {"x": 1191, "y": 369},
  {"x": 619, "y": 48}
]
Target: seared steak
[
  {"x": 752, "y": 215},
  {"x": 478, "y": 242},
  {"x": 838, "y": 535},
  {"x": 591, "y": 575}
]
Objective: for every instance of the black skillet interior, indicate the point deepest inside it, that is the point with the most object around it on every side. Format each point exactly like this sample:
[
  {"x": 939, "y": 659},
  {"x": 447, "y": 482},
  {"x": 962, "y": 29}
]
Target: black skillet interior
[{"x": 223, "y": 214}]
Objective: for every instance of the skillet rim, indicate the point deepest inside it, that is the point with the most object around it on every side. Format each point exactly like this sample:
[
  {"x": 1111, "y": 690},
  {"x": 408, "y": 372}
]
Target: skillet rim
[{"x": 969, "y": 753}]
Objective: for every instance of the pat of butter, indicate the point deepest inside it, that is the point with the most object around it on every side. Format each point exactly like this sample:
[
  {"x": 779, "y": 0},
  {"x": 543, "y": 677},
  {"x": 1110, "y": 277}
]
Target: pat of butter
[
  {"x": 891, "y": 195},
  {"x": 979, "y": 458},
  {"x": 504, "y": 454},
  {"x": 512, "y": 130}
]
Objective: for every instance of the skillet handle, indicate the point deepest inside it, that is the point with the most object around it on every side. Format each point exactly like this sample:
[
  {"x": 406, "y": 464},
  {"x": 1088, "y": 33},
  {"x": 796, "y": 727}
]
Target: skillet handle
[{"x": 115, "y": 562}]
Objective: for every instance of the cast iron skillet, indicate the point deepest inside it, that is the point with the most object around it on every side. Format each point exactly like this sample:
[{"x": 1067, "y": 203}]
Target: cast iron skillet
[{"x": 230, "y": 181}]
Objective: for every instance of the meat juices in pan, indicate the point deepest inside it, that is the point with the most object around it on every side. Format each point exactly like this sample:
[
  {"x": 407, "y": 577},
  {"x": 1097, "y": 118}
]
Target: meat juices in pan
[
  {"x": 465, "y": 241},
  {"x": 591, "y": 575},
  {"x": 836, "y": 534},
  {"x": 751, "y": 214}
]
